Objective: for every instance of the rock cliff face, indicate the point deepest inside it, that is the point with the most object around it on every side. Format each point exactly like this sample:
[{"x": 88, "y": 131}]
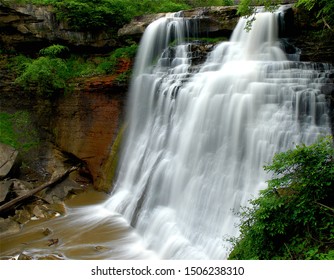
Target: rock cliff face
[
  {"x": 210, "y": 21},
  {"x": 83, "y": 124},
  {"x": 87, "y": 122},
  {"x": 30, "y": 28}
]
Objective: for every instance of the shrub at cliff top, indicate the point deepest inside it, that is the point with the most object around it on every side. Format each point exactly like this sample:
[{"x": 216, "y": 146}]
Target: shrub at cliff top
[
  {"x": 45, "y": 75},
  {"x": 50, "y": 74},
  {"x": 294, "y": 217}
]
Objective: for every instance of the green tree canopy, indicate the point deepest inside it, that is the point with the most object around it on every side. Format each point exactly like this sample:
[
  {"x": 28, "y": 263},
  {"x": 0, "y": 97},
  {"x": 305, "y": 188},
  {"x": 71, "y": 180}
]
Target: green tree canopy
[
  {"x": 322, "y": 9},
  {"x": 294, "y": 217}
]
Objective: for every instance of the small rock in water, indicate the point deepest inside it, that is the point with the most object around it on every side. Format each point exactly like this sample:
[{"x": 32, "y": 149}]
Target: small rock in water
[
  {"x": 57, "y": 208},
  {"x": 47, "y": 231},
  {"x": 23, "y": 256},
  {"x": 53, "y": 241},
  {"x": 38, "y": 212},
  {"x": 51, "y": 257},
  {"x": 101, "y": 248},
  {"x": 22, "y": 216}
]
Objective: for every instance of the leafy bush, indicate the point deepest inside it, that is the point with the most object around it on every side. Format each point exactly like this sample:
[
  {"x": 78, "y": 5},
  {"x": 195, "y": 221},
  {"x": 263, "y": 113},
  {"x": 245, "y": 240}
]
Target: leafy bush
[
  {"x": 323, "y": 9},
  {"x": 54, "y": 51},
  {"x": 95, "y": 14},
  {"x": 294, "y": 217},
  {"x": 49, "y": 74},
  {"x": 44, "y": 74},
  {"x": 113, "y": 64}
]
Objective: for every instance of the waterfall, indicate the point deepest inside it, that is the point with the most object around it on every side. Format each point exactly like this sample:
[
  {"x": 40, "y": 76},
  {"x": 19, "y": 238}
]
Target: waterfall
[{"x": 198, "y": 137}]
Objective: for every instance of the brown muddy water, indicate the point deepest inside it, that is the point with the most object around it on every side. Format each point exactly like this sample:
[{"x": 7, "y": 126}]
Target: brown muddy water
[{"x": 88, "y": 231}]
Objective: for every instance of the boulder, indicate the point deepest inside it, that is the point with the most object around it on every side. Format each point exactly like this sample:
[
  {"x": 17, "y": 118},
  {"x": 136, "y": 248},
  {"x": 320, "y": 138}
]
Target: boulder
[
  {"x": 21, "y": 187},
  {"x": 4, "y": 189},
  {"x": 8, "y": 227},
  {"x": 9, "y": 161}
]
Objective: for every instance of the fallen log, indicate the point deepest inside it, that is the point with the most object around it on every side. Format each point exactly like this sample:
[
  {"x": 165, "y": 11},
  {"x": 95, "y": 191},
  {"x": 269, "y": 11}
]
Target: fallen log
[{"x": 57, "y": 179}]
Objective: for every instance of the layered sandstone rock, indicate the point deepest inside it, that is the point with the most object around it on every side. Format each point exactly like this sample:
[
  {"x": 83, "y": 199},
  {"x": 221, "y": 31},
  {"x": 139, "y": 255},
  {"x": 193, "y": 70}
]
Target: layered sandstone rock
[
  {"x": 87, "y": 122},
  {"x": 210, "y": 21},
  {"x": 25, "y": 27}
]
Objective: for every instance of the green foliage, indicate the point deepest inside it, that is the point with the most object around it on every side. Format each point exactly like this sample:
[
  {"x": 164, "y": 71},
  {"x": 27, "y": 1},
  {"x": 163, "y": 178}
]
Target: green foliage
[
  {"x": 106, "y": 14},
  {"x": 159, "y": 6},
  {"x": 228, "y": 3},
  {"x": 46, "y": 75},
  {"x": 95, "y": 14},
  {"x": 322, "y": 9},
  {"x": 294, "y": 217},
  {"x": 112, "y": 65},
  {"x": 206, "y": 3},
  {"x": 50, "y": 74},
  {"x": 247, "y": 8},
  {"x": 54, "y": 51},
  {"x": 17, "y": 130},
  {"x": 112, "y": 14},
  {"x": 6, "y": 130},
  {"x": 110, "y": 167}
]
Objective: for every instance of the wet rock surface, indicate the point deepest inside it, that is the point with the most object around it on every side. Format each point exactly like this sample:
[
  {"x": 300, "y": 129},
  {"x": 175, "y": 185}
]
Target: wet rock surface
[
  {"x": 44, "y": 205},
  {"x": 9, "y": 161}
]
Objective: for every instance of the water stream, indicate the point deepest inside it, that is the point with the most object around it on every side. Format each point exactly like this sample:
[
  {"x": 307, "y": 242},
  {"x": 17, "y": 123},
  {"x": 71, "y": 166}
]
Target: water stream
[{"x": 196, "y": 142}]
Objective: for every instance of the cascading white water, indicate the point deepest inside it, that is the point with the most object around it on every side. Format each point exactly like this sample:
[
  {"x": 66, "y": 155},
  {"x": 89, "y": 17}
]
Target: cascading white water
[{"x": 196, "y": 143}]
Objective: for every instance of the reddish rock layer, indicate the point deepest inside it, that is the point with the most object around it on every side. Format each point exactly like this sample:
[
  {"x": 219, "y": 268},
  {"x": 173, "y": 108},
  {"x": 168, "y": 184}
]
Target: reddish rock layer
[{"x": 88, "y": 121}]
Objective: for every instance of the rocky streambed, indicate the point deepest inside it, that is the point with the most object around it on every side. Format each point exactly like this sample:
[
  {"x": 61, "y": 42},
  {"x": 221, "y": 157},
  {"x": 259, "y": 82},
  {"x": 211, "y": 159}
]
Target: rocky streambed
[
  {"x": 20, "y": 204},
  {"x": 66, "y": 220}
]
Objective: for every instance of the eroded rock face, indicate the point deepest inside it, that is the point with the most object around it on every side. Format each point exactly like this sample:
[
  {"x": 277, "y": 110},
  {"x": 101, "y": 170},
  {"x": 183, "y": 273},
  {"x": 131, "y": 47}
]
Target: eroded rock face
[
  {"x": 87, "y": 121},
  {"x": 34, "y": 27},
  {"x": 211, "y": 21}
]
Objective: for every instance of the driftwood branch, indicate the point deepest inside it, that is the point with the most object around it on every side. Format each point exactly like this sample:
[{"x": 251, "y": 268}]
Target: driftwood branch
[{"x": 51, "y": 183}]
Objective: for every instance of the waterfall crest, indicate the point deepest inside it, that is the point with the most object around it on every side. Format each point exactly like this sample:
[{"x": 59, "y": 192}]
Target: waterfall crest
[{"x": 197, "y": 139}]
